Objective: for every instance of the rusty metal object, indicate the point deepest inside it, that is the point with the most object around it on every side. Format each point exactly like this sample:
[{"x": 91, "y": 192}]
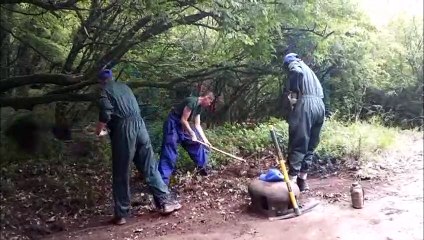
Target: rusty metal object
[
  {"x": 357, "y": 195},
  {"x": 271, "y": 198}
]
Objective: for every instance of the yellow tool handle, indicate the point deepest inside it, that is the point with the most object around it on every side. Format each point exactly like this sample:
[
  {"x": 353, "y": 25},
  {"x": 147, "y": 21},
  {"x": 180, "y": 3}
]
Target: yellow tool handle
[
  {"x": 281, "y": 162},
  {"x": 291, "y": 193}
]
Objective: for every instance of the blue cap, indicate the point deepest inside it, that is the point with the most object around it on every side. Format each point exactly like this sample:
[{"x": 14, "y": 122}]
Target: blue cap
[
  {"x": 104, "y": 74},
  {"x": 273, "y": 175},
  {"x": 290, "y": 58}
]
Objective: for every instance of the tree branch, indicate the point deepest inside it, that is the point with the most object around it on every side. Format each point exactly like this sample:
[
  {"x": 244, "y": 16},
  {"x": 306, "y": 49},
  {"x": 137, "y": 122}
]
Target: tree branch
[
  {"x": 73, "y": 82},
  {"x": 63, "y": 94},
  {"x": 80, "y": 36},
  {"x": 322, "y": 34},
  {"x": 58, "y": 79},
  {"x": 117, "y": 52},
  {"x": 205, "y": 26},
  {"x": 48, "y": 5},
  {"x": 155, "y": 29},
  {"x": 74, "y": 87},
  {"x": 30, "y": 102}
]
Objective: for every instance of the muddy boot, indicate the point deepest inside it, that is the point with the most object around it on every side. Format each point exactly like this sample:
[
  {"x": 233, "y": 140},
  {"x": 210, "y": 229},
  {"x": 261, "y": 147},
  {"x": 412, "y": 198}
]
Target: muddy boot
[
  {"x": 166, "y": 204},
  {"x": 293, "y": 179},
  {"x": 202, "y": 171},
  {"x": 302, "y": 184},
  {"x": 118, "y": 221}
]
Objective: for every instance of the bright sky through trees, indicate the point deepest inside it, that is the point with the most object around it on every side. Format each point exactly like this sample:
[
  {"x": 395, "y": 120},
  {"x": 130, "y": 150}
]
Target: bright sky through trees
[{"x": 382, "y": 11}]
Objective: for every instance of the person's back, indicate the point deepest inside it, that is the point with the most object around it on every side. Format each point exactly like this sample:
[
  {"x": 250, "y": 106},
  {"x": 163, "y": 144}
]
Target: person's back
[
  {"x": 122, "y": 99},
  {"x": 310, "y": 85},
  {"x": 192, "y": 103}
]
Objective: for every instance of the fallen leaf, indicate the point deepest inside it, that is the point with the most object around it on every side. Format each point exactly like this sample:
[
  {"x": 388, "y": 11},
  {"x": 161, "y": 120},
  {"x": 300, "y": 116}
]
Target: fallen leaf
[{"x": 50, "y": 220}]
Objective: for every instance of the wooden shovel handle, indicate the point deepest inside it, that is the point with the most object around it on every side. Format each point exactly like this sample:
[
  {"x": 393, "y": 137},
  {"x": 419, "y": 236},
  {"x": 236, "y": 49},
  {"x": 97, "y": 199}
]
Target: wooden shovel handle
[{"x": 216, "y": 149}]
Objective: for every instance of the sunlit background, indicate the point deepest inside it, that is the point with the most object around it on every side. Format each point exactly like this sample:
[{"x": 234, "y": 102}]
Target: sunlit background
[{"x": 382, "y": 11}]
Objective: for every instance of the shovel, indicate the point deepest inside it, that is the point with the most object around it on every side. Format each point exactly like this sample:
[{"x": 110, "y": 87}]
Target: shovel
[{"x": 298, "y": 210}]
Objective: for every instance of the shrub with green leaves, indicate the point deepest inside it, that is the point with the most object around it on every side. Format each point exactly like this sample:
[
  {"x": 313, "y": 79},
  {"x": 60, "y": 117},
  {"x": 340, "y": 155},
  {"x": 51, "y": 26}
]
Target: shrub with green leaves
[{"x": 337, "y": 139}]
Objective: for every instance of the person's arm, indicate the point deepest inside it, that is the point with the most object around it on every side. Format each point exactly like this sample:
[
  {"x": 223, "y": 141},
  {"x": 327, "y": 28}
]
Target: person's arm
[
  {"x": 295, "y": 80},
  {"x": 106, "y": 110},
  {"x": 294, "y": 84},
  {"x": 199, "y": 128},
  {"x": 185, "y": 123}
]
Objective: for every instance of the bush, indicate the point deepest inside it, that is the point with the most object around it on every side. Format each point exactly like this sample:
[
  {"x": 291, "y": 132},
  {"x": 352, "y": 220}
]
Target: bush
[
  {"x": 354, "y": 139},
  {"x": 338, "y": 139},
  {"x": 357, "y": 140},
  {"x": 243, "y": 139}
]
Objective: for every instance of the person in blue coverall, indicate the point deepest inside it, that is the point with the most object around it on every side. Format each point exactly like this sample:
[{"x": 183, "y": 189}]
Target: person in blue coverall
[
  {"x": 177, "y": 130},
  {"x": 306, "y": 117},
  {"x": 120, "y": 114}
]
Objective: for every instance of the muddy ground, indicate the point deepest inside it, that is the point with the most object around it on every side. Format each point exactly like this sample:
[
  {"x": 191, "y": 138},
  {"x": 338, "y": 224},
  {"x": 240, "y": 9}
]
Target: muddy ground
[{"x": 217, "y": 207}]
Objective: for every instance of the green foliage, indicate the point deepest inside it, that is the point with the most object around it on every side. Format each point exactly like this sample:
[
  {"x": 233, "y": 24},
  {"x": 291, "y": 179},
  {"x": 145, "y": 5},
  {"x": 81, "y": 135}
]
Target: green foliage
[
  {"x": 338, "y": 139},
  {"x": 50, "y": 49},
  {"x": 243, "y": 40},
  {"x": 358, "y": 140}
]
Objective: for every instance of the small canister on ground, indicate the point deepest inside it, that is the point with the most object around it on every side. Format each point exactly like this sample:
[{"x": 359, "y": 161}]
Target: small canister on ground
[{"x": 357, "y": 195}]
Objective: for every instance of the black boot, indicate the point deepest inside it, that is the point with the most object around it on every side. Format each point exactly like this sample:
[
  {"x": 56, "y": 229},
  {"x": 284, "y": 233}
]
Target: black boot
[
  {"x": 202, "y": 171},
  {"x": 302, "y": 184}
]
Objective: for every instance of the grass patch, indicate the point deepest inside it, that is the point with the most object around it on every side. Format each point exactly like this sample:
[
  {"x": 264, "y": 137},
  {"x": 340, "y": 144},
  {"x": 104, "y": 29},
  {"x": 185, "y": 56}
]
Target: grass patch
[{"x": 357, "y": 140}]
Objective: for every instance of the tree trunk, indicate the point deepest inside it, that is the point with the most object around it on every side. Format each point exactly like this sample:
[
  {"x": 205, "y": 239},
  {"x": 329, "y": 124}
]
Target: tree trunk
[
  {"x": 5, "y": 45},
  {"x": 23, "y": 67}
]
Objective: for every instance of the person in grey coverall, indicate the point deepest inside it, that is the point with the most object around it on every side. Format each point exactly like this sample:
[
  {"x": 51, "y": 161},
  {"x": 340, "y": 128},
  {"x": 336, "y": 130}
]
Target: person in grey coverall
[
  {"x": 120, "y": 113},
  {"x": 306, "y": 117}
]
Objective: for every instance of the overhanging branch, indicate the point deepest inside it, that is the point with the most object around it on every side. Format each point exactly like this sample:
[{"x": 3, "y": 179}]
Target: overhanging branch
[
  {"x": 77, "y": 82},
  {"x": 48, "y": 5},
  {"x": 30, "y": 102},
  {"x": 324, "y": 34},
  {"x": 155, "y": 29},
  {"x": 58, "y": 79}
]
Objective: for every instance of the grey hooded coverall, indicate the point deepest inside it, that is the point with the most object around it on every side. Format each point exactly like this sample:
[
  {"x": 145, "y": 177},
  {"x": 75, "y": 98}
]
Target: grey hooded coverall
[
  {"x": 130, "y": 142},
  {"x": 306, "y": 118}
]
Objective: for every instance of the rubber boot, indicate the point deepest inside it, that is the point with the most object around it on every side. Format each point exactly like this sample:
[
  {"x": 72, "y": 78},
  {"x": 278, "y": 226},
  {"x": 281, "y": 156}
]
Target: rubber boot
[{"x": 301, "y": 182}]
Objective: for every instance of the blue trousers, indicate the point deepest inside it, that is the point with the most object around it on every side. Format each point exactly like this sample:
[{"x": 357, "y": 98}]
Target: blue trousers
[{"x": 173, "y": 134}]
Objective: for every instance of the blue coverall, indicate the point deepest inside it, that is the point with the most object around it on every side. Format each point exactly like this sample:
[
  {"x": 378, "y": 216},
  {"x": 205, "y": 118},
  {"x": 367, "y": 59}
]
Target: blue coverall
[{"x": 174, "y": 134}]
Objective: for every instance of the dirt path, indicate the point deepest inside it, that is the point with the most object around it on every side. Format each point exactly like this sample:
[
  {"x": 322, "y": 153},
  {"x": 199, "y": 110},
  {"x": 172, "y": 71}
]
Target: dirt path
[{"x": 393, "y": 210}]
